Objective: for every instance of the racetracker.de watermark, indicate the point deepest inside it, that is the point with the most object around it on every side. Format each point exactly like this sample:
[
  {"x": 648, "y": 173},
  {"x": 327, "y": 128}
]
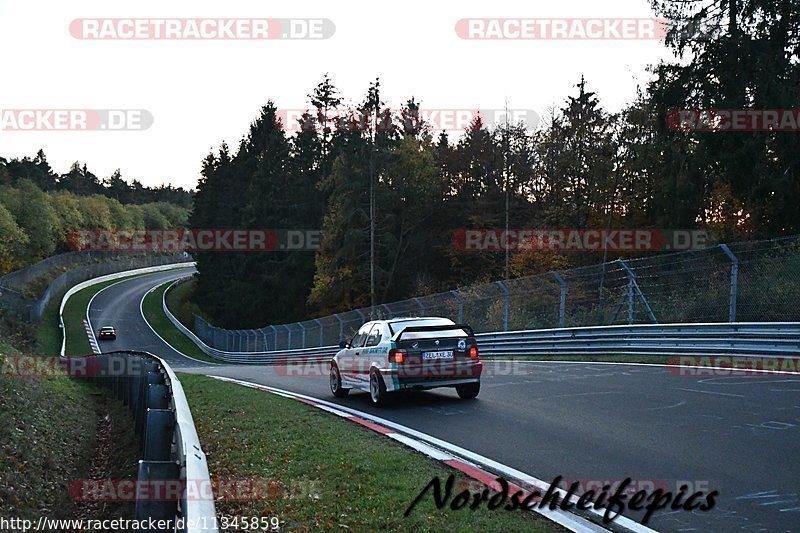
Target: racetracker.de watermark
[
  {"x": 578, "y": 240},
  {"x": 434, "y": 120},
  {"x": 49, "y": 366},
  {"x": 731, "y": 366},
  {"x": 608, "y": 484},
  {"x": 196, "y": 240},
  {"x": 561, "y": 28},
  {"x": 132, "y": 490},
  {"x": 75, "y": 119},
  {"x": 733, "y": 119},
  {"x": 201, "y": 29}
]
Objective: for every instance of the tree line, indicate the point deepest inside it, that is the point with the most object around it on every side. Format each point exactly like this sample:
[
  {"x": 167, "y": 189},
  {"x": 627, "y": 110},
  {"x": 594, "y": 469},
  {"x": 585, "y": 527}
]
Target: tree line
[
  {"x": 39, "y": 209},
  {"x": 584, "y": 167}
]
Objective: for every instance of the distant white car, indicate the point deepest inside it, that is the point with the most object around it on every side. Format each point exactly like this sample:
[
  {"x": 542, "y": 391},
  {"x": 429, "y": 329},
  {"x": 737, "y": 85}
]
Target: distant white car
[{"x": 407, "y": 353}]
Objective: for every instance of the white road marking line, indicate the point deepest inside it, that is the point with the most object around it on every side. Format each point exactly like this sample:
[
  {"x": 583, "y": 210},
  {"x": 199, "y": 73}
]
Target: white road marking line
[
  {"x": 328, "y": 409},
  {"x": 755, "y": 495},
  {"x": 141, "y": 312},
  {"x": 715, "y": 393},
  {"x": 430, "y": 451},
  {"x": 666, "y": 407},
  {"x": 599, "y": 393},
  {"x": 779, "y": 502}
]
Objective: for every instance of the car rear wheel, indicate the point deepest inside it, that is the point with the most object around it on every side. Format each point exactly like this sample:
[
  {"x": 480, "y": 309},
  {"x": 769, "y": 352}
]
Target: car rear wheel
[
  {"x": 336, "y": 383},
  {"x": 377, "y": 389},
  {"x": 468, "y": 391}
]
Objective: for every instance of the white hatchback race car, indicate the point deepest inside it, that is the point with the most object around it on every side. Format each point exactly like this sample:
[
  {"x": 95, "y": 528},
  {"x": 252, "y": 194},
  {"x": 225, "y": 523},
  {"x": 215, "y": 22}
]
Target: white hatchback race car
[{"x": 407, "y": 354}]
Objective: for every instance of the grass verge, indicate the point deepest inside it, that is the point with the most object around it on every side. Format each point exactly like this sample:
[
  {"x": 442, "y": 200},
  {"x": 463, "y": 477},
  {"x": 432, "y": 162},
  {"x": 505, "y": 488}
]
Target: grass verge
[
  {"x": 53, "y": 429},
  {"x": 154, "y": 313},
  {"x": 179, "y": 301},
  {"x": 327, "y": 473},
  {"x": 48, "y": 334}
]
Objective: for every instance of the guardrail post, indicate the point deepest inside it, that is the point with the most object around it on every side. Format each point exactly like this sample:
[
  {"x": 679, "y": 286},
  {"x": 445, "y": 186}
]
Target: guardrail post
[
  {"x": 274, "y": 338},
  {"x": 321, "y": 338},
  {"x": 633, "y": 288},
  {"x": 341, "y": 326},
  {"x": 421, "y": 306},
  {"x": 460, "y": 301},
  {"x": 631, "y": 303},
  {"x": 562, "y": 304},
  {"x": 303, "y": 335},
  {"x": 288, "y": 336},
  {"x": 734, "y": 282},
  {"x": 152, "y": 380},
  {"x": 506, "y": 303}
]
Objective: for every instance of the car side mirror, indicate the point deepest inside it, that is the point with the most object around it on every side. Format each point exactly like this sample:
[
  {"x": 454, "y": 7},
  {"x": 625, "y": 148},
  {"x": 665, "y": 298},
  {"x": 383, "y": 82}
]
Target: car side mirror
[{"x": 343, "y": 345}]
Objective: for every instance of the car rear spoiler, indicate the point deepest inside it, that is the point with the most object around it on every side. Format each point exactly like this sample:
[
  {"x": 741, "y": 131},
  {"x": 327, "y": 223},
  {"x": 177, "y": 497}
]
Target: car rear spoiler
[{"x": 422, "y": 329}]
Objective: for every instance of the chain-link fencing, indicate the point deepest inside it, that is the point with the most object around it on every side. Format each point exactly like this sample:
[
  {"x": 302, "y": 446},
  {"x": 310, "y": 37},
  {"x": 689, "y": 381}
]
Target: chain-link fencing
[
  {"x": 742, "y": 282},
  {"x": 15, "y": 299}
]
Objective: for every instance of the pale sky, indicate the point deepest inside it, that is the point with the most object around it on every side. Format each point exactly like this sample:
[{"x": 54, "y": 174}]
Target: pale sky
[{"x": 201, "y": 93}]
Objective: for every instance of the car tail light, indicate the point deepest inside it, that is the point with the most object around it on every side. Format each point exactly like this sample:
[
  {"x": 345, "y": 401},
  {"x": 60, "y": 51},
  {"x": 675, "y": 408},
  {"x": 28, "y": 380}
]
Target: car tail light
[
  {"x": 473, "y": 352},
  {"x": 396, "y": 356}
]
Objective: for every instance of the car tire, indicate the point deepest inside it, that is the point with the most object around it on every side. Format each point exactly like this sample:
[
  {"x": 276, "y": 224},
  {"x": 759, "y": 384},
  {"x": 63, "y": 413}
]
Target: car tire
[
  {"x": 377, "y": 389},
  {"x": 336, "y": 383},
  {"x": 468, "y": 391}
]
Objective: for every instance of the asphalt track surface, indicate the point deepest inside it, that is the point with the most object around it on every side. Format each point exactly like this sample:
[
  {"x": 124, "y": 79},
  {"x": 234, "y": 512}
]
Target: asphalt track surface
[{"x": 583, "y": 421}]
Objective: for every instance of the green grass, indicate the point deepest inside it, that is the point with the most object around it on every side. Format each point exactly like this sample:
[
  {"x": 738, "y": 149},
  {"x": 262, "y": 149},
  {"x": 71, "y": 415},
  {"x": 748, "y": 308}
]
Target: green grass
[
  {"x": 324, "y": 472},
  {"x": 154, "y": 313},
  {"x": 48, "y": 334},
  {"x": 179, "y": 301},
  {"x": 49, "y": 438}
]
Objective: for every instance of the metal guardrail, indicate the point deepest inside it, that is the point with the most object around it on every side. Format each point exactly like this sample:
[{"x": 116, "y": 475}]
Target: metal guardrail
[
  {"x": 170, "y": 448},
  {"x": 310, "y": 354},
  {"x": 730, "y": 339},
  {"x": 738, "y": 339}
]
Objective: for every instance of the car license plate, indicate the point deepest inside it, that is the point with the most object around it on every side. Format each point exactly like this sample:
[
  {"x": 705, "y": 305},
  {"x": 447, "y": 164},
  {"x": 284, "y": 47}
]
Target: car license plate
[{"x": 445, "y": 354}]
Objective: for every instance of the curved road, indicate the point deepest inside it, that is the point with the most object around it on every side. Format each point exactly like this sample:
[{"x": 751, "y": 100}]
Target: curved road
[
  {"x": 118, "y": 305},
  {"x": 585, "y": 421}
]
